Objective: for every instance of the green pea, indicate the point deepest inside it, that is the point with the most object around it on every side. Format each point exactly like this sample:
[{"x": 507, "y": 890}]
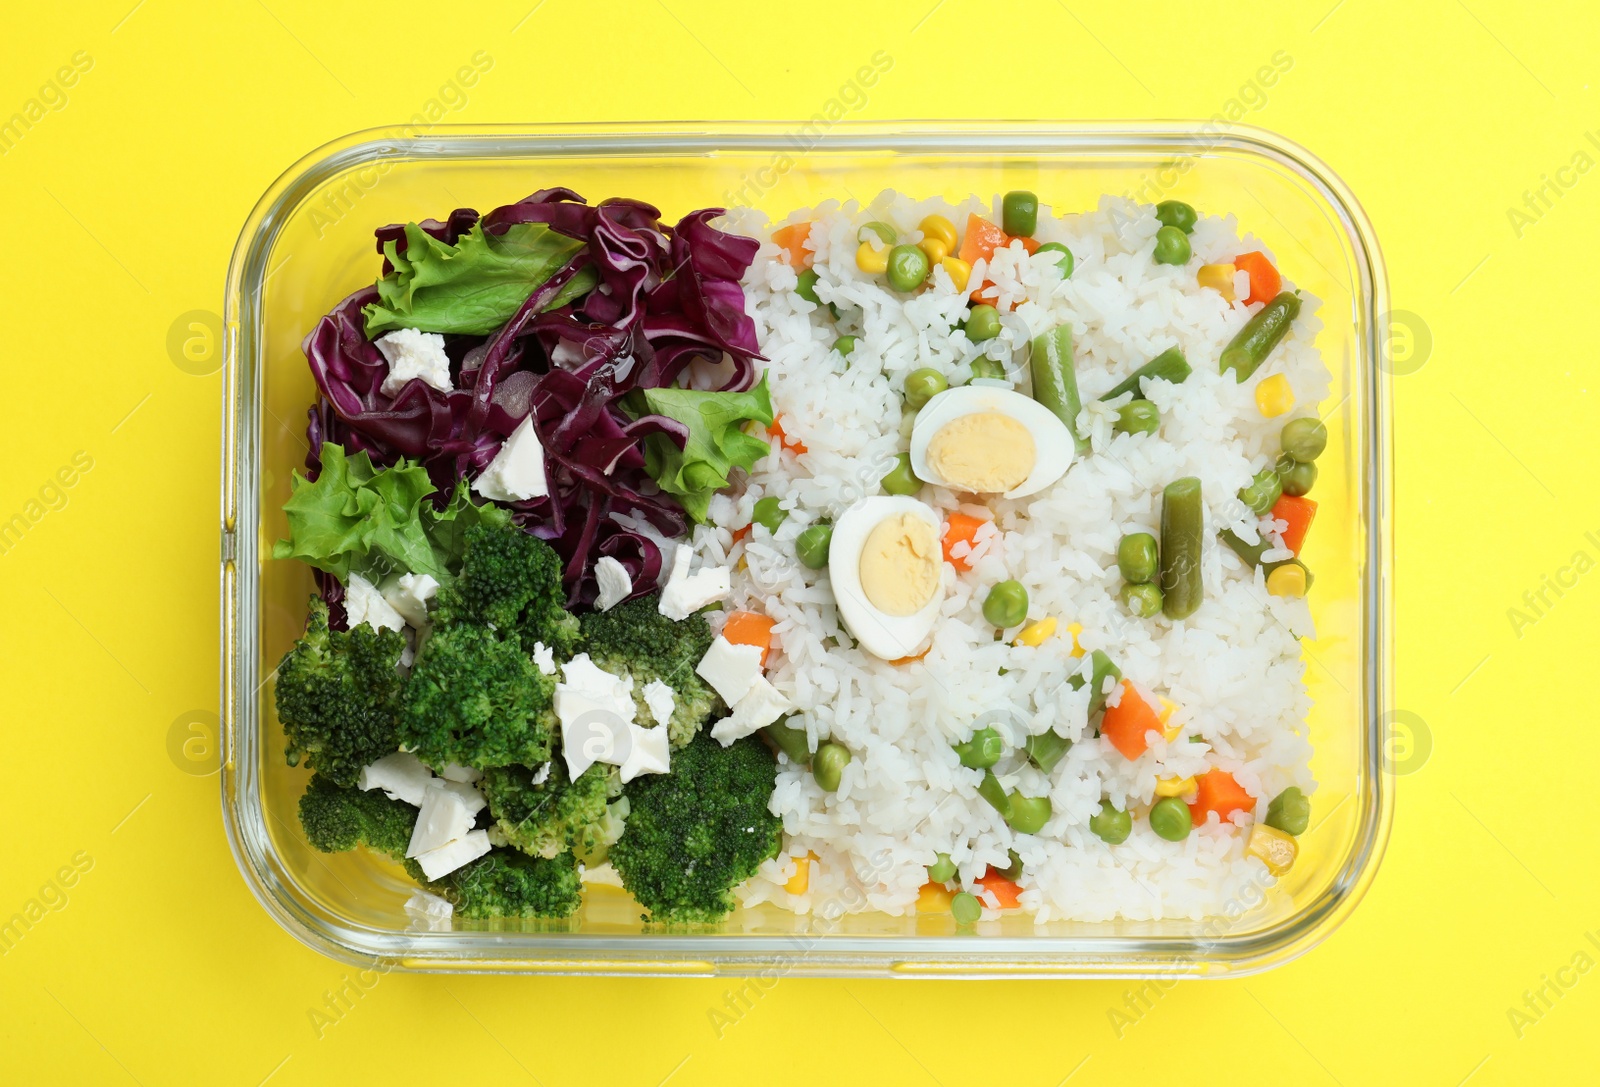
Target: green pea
[
  {"x": 908, "y": 267},
  {"x": 942, "y": 870},
  {"x": 1290, "y": 811},
  {"x": 923, "y": 385},
  {"x": 879, "y": 229},
  {"x": 1172, "y": 246},
  {"x": 901, "y": 479},
  {"x": 1111, "y": 825},
  {"x": 1137, "y": 417},
  {"x": 966, "y": 909},
  {"x": 1029, "y": 814},
  {"x": 1304, "y": 439},
  {"x": 1142, "y": 600},
  {"x": 807, "y": 286},
  {"x": 844, "y": 345},
  {"x": 828, "y": 764},
  {"x": 1176, "y": 213},
  {"x": 1013, "y": 868},
  {"x": 982, "y": 751},
  {"x": 1006, "y": 605},
  {"x": 1299, "y": 479},
  {"x": 768, "y": 514},
  {"x": 1170, "y": 819},
  {"x": 1064, "y": 262},
  {"x": 1137, "y": 558},
  {"x": 1019, "y": 213},
  {"x": 987, "y": 368},
  {"x": 983, "y": 323},
  {"x": 1263, "y": 492},
  {"x": 811, "y": 546}
]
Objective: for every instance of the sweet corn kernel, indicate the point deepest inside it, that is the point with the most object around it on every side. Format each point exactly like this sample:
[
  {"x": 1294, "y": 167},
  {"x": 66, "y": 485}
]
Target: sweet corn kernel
[
  {"x": 1174, "y": 786},
  {"x": 1168, "y": 708},
  {"x": 1219, "y": 277},
  {"x": 937, "y": 226},
  {"x": 1274, "y": 396},
  {"x": 934, "y": 898},
  {"x": 935, "y": 249},
  {"x": 744, "y": 564},
  {"x": 801, "y": 879},
  {"x": 872, "y": 261},
  {"x": 1036, "y": 633},
  {"x": 1273, "y": 848},
  {"x": 1075, "y": 629},
  {"x": 1287, "y": 580},
  {"x": 959, "y": 271}
]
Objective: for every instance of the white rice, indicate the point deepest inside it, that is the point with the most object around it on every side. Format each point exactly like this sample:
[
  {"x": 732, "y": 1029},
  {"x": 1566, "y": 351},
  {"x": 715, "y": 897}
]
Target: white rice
[{"x": 1234, "y": 668}]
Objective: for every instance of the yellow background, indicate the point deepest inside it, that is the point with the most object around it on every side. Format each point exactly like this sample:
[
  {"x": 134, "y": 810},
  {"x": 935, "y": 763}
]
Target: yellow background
[{"x": 122, "y": 205}]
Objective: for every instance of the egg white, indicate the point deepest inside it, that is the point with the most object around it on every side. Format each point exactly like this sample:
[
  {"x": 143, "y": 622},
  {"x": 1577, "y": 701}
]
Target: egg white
[
  {"x": 1053, "y": 444},
  {"x": 881, "y": 634}
]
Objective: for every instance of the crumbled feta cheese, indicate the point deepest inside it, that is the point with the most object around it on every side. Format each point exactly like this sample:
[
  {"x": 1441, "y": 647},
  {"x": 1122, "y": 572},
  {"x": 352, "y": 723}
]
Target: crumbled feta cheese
[
  {"x": 687, "y": 593},
  {"x": 595, "y": 709},
  {"x": 517, "y": 471},
  {"x": 541, "y": 775},
  {"x": 363, "y": 603},
  {"x": 400, "y": 776},
  {"x": 429, "y": 911},
  {"x": 454, "y": 771},
  {"x": 615, "y": 584},
  {"x": 603, "y": 873},
  {"x": 647, "y": 752},
  {"x": 761, "y": 705},
  {"x": 440, "y": 862},
  {"x": 409, "y": 595},
  {"x": 471, "y": 797},
  {"x": 661, "y": 700},
  {"x": 408, "y": 656},
  {"x": 544, "y": 658},
  {"x": 410, "y": 354},
  {"x": 445, "y": 816},
  {"x": 730, "y": 669}
]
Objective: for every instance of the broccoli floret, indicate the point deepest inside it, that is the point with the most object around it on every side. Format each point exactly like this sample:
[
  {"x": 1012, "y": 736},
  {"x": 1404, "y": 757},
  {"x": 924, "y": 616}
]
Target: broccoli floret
[
  {"x": 593, "y": 844},
  {"x": 635, "y": 639},
  {"x": 340, "y": 817},
  {"x": 552, "y": 816},
  {"x": 505, "y": 883},
  {"x": 696, "y": 833},
  {"x": 338, "y": 693},
  {"x": 476, "y": 698},
  {"x": 512, "y": 581}
]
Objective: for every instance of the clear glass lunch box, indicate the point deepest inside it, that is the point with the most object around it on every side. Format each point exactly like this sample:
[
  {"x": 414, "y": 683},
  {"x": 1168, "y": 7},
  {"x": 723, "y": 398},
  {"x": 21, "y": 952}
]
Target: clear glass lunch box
[{"x": 308, "y": 243}]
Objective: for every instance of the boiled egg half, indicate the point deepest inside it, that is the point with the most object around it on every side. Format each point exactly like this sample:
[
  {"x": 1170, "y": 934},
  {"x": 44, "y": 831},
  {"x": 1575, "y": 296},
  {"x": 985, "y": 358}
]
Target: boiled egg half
[
  {"x": 986, "y": 440},
  {"x": 886, "y": 566}
]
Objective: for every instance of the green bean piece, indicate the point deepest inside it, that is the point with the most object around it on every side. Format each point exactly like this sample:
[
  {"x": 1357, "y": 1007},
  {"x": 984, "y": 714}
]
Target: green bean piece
[
  {"x": 833, "y": 308},
  {"x": 923, "y": 385},
  {"x": 1170, "y": 819},
  {"x": 908, "y": 267},
  {"x": 1290, "y": 811},
  {"x": 1300, "y": 479},
  {"x": 966, "y": 908},
  {"x": 1064, "y": 261},
  {"x": 768, "y": 514},
  {"x": 985, "y": 367},
  {"x": 807, "y": 287},
  {"x": 1006, "y": 605},
  {"x": 1101, "y": 666},
  {"x": 982, "y": 751},
  {"x": 901, "y": 479},
  {"x": 1055, "y": 382},
  {"x": 1182, "y": 530},
  {"x": 884, "y": 232},
  {"x": 1170, "y": 365},
  {"x": 1263, "y": 492},
  {"x": 1137, "y": 558},
  {"x": 1137, "y": 417},
  {"x": 811, "y": 546},
  {"x": 1046, "y": 749},
  {"x": 942, "y": 870},
  {"x": 1028, "y": 814},
  {"x": 1176, "y": 213},
  {"x": 1304, "y": 439},
  {"x": 1113, "y": 826},
  {"x": 1251, "y": 554},
  {"x": 1013, "y": 868},
  {"x": 789, "y": 740},
  {"x": 845, "y": 345},
  {"x": 1255, "y": 341},
  {"x": 1141, "y": 600},
  {"x": 983, "y": 323},
  {"x": 989, "y": 788},
  {"x": 1172, "y": 246},
  {"x": 828, "y": 764},
  {"x": 1019, "y": 213}
]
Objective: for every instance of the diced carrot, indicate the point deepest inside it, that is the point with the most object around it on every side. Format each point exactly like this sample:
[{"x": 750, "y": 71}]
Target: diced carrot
[
  {"x": 1126, "y": 723},
  {"x": 1030, "y": 244},
  {"x": 1297, "y": 513},
  {"x": 776, "y": 430},
  {"x": 1003, "y": 889},
  {"x": 1265, "y": 282},
  {"x": 740, "y": 533},
  {"x": 1216, "y": 790},
  {"x": 750, "y": 628},
  {"x": 960, "y": 528},
  {"x": 791, "y": 239},
  {"x": 981, "y": 240}
]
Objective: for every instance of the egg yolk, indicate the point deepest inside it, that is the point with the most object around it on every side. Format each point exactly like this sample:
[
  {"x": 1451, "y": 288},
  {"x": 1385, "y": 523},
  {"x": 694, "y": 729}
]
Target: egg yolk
[
  {"x": 899, "y": 565},
  {"x": 984, "y": 452}
]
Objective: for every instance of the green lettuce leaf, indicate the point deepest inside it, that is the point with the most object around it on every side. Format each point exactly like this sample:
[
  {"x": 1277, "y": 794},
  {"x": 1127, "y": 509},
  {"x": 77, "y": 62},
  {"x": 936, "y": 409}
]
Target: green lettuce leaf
[
  {"x": 716, "y": 444},
  {"x": 374, "y": 521},
  {"x": 474, "y": 286}
]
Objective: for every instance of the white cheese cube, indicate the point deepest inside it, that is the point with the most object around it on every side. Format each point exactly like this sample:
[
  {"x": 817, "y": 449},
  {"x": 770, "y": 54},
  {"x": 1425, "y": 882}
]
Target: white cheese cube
[
  {"x": 429, "y": 911},
  {"x": 517, "y": 471},
  {"x": 409, "y": 595},
  {"x": 730, "y": 669},
  {"x": 761, "y": 705},
  {"x": 471, "y": 797},
  {"x": 685, "y": 593},
  {"x": 411, "y": 353},
  {"x": 595, "y": 709},
  {"x": 440, "y": 862},
  {"x": 544, "y": 658},
  {"x": 454, "y": 771},
  {"x": 661, "y": 700},
  {"x": 603, "y": 874},
  {"x": 648, "y": 752},
  {"x": 400, "y": 776},
  {"x": 363, "y": 603},
  {"x": 614, "y": 583},
  {"x": 445, "y": 816}
]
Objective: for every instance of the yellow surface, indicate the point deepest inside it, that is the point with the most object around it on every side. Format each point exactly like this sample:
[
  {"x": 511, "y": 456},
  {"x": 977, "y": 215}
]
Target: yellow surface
[{"x": 151, "y": 963}]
